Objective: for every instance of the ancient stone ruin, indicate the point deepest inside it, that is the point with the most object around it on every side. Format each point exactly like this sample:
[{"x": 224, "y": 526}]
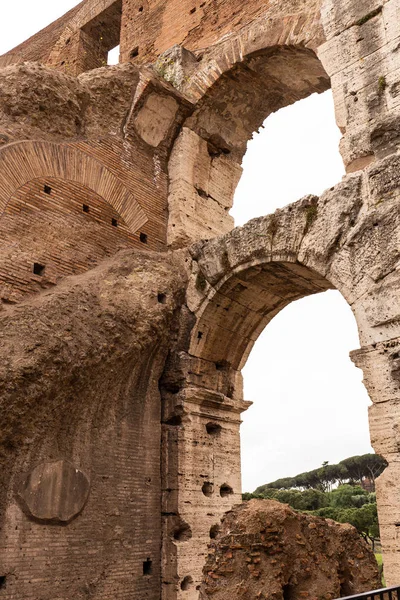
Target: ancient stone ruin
[
  {"x": 129, "y": 305},
  {"x": 268, "y": 551}
]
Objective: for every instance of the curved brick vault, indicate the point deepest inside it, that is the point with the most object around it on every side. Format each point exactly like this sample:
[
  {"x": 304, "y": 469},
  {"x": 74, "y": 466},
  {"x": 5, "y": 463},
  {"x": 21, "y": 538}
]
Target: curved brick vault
[
  {"x": 25, "y": 161},
  {"x": 136, "y": 363}
]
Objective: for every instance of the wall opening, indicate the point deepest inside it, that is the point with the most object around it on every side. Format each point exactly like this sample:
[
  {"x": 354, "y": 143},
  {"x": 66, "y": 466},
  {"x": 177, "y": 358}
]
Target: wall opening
[
  {"x": 183, "y": 532},
  {"x": 225, "y": 490},
  {"x": 213, "y": 429},
  {"x": 306, "y": 392},
  {"x": 294, "y": 154},
  {"x": 207, "y": 488},
  {"x": 301, "y": 140},
  {"x": 100, "y": 39},
  {"x": 113, "y": 56},
  {"x": 214, "y": 531},
  {"x": 38, "y": 269},
  {"x": 187, "y": 583},
  {"x": 175, "y": 421},
  {"x": 288, "y": 592},
  {"x": 147, "y": 567},
  {"x": 301, "y": 364},
  {"x": 134, "y": 53}
]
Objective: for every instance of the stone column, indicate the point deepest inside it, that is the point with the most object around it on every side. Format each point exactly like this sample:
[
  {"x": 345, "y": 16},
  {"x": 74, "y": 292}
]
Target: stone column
[
  {"x": 361, "y": 57},
  {"x": 381, "y": 367},
  {"x": 201, "y": 475},
  {"x": 202, "y": 183}
]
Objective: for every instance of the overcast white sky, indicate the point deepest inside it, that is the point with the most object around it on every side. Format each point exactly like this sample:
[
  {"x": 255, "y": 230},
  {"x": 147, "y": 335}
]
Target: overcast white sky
[{"x": 309, "y": 402}]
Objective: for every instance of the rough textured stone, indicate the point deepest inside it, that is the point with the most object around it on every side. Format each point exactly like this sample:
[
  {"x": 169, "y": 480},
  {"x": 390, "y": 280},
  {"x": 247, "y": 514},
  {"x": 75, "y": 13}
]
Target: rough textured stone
[
  {"x": 79, "y": 383},
  {"x": 267, "y": 550},
  {"x": 155, "y": 119}
]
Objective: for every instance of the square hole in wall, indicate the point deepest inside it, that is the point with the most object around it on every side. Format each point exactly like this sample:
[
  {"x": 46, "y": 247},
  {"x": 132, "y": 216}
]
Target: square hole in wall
[
  {"x": 47, "y": 189},
  {"x": 101, "y": 38},
  {"x": 3, "y": 579},
  {"x": 143, "y": 238},
  {"x": 134, "y": 53},
  {"x": 147, "y": 567},
  {"x": 38, "y": 269},
  {"x": 114, "y": 222},
  {"x": 85, "y": 208}
]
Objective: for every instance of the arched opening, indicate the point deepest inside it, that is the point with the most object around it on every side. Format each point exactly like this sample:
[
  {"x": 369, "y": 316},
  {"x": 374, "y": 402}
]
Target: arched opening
[
  {"x": 240, "y": 95},
  {"x": 230, "y": 111},
  {"x": 303, "y": 140},
  {"x": 246, "y": 300},
  {"x": 309, "y": 404},
  {"x": 245, "y": 287},
  {"x": 241, "y": 281},
  {"x": 251, "y": 89}
]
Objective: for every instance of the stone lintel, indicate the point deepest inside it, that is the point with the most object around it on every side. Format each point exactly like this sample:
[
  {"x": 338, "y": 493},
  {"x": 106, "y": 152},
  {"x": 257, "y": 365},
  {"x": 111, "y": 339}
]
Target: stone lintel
[{"x": 211, "y": 399}]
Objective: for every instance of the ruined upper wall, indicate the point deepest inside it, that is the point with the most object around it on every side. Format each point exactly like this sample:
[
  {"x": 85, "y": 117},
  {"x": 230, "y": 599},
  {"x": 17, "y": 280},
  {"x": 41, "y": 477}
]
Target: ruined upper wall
[
  {"x": 39, "y": 46},
  {"x": 81, "y": 40},
  {"x": 198, "y": 24}
]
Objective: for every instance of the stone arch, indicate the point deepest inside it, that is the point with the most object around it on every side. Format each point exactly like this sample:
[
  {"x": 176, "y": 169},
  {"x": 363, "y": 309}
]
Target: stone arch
[
  {"x": 24, "y": 161},
  {"x": 250, "y": 88},
  {"x": 238, "y": 85},
  {"x": 247, "y": 277},
  {"x": 302, "y": 30},
  {"x": 242, "y": 304},
  {"x": 239, "y": 282}
]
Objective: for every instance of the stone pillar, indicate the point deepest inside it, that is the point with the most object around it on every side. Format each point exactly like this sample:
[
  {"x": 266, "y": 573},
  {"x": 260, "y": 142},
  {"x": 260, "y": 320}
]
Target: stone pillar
[
  {"x": 202, "y": 185},
  {"x": 361, "y": 56},
  {"x": 201, "y": 474},
  {"x": 381, "y": 367}
]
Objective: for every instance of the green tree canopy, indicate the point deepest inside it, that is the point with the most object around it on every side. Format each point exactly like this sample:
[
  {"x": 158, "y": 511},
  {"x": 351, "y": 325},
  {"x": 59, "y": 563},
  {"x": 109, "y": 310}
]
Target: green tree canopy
[{"x": 352, "y": 470}]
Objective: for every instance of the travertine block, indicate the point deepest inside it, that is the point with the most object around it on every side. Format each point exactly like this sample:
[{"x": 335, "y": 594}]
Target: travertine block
[
  {"x": 155, "y": 119},
  {"x": 338, "y": 16}
]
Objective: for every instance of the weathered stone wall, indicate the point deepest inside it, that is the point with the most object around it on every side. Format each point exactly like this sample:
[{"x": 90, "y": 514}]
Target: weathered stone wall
[
  {"x": 361, "y": 58},
  {"x": 135, "y": 364},
  {"x": 81, "y": 39},
  {"x": 348, "y": 240},
  {"x": 100, "y": 140},
  {"x": 79, "y": 383}
]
